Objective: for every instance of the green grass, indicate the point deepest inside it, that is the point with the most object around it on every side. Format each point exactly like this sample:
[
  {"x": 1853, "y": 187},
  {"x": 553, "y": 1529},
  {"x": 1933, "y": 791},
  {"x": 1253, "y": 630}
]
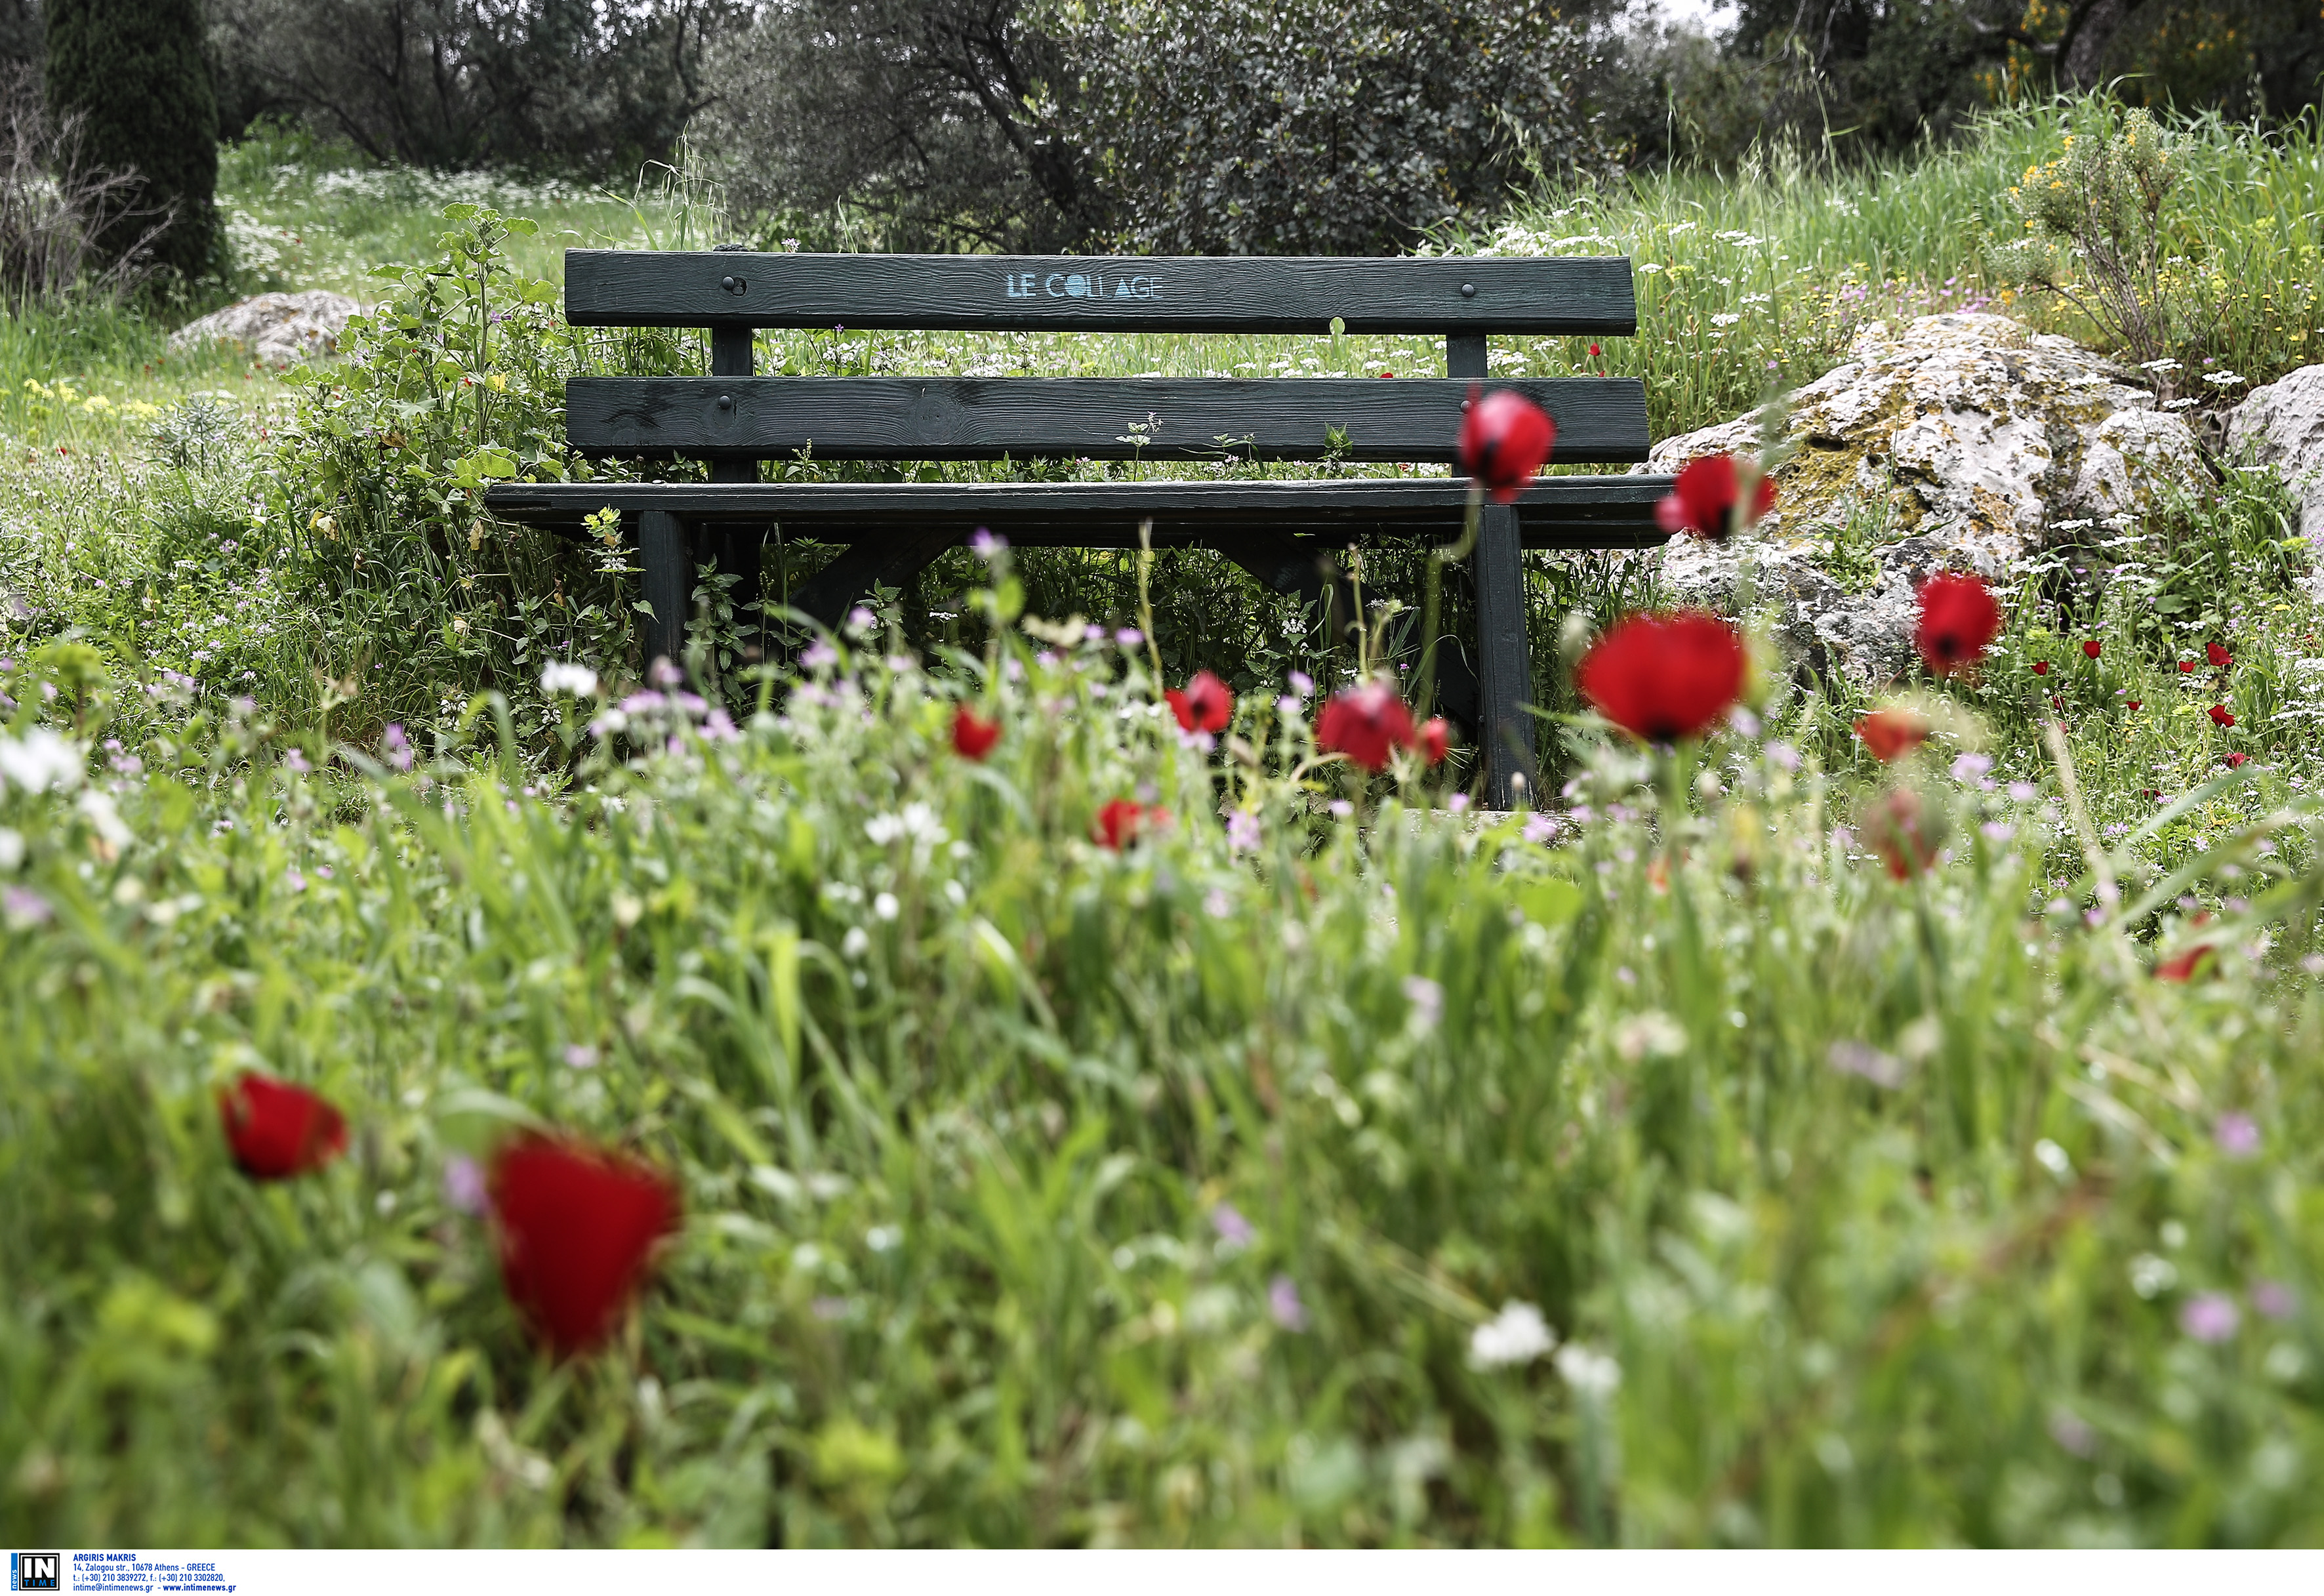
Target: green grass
[{"x": 953, "y": 1268}]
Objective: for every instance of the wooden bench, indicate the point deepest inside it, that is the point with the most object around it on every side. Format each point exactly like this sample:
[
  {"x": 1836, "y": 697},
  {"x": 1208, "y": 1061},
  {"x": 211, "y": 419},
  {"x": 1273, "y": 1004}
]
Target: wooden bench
[{"x": 1283, "y": 532}]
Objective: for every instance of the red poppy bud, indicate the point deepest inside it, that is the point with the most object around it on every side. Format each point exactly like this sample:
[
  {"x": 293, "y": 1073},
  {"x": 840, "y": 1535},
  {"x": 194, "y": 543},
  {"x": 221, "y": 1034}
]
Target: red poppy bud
[
  {"x": 2219, "y": 656},
  {"x": 1367, "y": 723},
  {"x": 1705, "y": 497},
  {"x": 1959, "y": 618},
  {"x": 2220, "y": 715},
  {"x": 1435, "y": 739},
  {"x": 1891, "y": 732},
  {"x": 1206, "y": 705},
  {"x": 973, "y": 736},
  {"x": 1505, "y": 438},
  {"x": 2090, "y": 649},
  {"x": 577, "y": 1228},
  {"x": 2041, "y": 667},
  {"x": 1664, "y": 676},
  {"x": 276, "y": 1130}
]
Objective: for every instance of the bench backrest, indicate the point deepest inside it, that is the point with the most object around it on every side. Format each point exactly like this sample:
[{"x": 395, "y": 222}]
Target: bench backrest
[{"x": 733, "y": 415}]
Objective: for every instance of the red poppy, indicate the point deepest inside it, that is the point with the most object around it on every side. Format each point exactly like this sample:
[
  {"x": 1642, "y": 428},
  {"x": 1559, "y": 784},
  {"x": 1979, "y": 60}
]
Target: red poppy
[
  {"x": 1204, "y": 705},
  {"x": 1435, "y": 739},
  {"x": 1957, "y": 619},
  {"x": 2186, "y": 668},
  {"x": 1388, "y": 374},
  {"x": 1704, "y": 499},
  {"x": 1122, "y": 821},
  {"x": 2184, "y": 966},
  {"x": 1503, "y": 439},
  {"x": 1367, "y": 723},
  {"x": 1664, "y": 676},
  {"x": 2041, "y": 667},
  {"x": 276, "y": 1130},
  {"x": 577, "y": 1228},
  {"x": 973, "y": 736},
  {"x": 2220, "y": 715},
  {"x": 1893, "y": 731},
  {"x": 2090, "y": 649},
  {"x": 1903, "y": 832},
  {"x": 2235, "y": 761},
  {"x": 1593, "y": 351},
  {"x": 2133, "y": 706},
  {"x": 2219, "y": 656}
]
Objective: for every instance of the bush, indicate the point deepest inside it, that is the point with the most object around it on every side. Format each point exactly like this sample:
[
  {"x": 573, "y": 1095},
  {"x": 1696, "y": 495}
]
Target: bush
[
  {"x": 135, "y": 75},
  {"x": 1317, "y": 126}
]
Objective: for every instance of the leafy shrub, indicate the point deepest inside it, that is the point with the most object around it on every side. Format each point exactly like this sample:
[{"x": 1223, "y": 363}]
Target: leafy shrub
[
  {"x": 457, "y": 382},
  {"x": 1316, "y": 127}
]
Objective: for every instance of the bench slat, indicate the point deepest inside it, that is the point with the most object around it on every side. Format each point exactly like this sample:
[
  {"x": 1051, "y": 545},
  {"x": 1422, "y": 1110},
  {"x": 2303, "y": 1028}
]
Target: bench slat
[
  {"x": 1575, "y": 295},
  {"x": 1599, "y": 419},
  {"x": 1554, "y": 513}
]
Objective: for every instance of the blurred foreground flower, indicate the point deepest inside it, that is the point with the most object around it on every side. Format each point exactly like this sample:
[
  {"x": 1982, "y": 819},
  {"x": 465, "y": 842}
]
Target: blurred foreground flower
[
  {"x": 1517, "y": 1334},
  {"x": 1892, "y": 732},
  {"x": 1662, "y": 677},
  {"x": 1367, "y": 723},
  {"x": 1902, "y": 829},
  {"x": 578, "y": 1229},
  {"x": 2209, "y": 1316},
  {"x": 972, "y": 736},
  {"x": 1206, "y": 704},
  {"x": 1959, "y": 618},
  {"x": 1715, "y": 497},
  {"x": 1122, "y": 821},
  {"x": 1505, "y": 438},
  {"x": 1283, "y": 1304},
  {"x": 276, "y": 1130}
]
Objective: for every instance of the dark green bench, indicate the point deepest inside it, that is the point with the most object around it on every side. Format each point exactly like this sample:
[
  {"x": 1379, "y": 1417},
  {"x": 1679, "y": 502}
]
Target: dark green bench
[{"x": 1283, "y": 532}]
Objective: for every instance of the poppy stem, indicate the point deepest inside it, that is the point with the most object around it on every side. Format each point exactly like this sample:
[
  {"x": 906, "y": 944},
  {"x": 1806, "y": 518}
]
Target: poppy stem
[
  {"x": 1145, "y": 603},
  {"x": 1432, "y": 601}
]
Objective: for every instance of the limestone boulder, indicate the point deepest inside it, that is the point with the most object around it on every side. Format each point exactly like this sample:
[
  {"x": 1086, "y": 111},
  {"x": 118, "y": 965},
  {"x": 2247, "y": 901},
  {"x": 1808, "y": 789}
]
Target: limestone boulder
[
  {"x": 2281, "y": 425},
  {"x": 1946, "y": 442},
  {"x": 276, "y": 329}
]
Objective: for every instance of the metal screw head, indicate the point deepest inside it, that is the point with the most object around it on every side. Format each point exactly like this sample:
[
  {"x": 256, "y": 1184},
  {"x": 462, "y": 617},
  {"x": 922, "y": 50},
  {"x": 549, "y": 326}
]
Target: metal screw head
[
  {"x": 726, "y": 402},
  {"x": 1468, "y": 291},
  {"x": 727, "y": 283}
]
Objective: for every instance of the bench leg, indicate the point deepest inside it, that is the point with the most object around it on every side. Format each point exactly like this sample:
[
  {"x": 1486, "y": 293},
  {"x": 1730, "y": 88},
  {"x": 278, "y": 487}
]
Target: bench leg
[
  {"x": 669, "y": 583},
  {"x": 890, "y": 561},
  {"x": 1505, "y": 731}
]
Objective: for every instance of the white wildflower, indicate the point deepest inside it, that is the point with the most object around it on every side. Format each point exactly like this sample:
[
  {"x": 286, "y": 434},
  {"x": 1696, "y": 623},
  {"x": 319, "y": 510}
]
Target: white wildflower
[
  {"x": 41, "y": 759},
  {"x": 107, "y": 819},
  {"x": 1517, "y": 1334},
  {"x": 1592, "y": 1374},
  {"x": 560, "y": 676}
]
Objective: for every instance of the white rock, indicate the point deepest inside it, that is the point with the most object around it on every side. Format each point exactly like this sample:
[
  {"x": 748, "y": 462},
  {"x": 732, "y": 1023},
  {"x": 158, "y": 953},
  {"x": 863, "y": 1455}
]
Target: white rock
[
  {"x": 277, "y": 329},
  {"x": 1955, "y": 442},
  {"x": 2283, "y": 425}
]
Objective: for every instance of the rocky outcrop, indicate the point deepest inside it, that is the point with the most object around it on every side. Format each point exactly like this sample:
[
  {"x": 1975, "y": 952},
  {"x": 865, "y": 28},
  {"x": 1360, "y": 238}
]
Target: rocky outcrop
[
  {"x": 1955, "y": 442},
  {"x": 277, "y": 329},
  {"x": 2283, "y": 425}
]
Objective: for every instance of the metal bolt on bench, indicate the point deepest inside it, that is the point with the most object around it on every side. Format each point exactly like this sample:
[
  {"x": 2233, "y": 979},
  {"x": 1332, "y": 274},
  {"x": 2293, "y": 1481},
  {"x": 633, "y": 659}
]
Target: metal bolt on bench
[{"x": 1283, "y": 532}]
